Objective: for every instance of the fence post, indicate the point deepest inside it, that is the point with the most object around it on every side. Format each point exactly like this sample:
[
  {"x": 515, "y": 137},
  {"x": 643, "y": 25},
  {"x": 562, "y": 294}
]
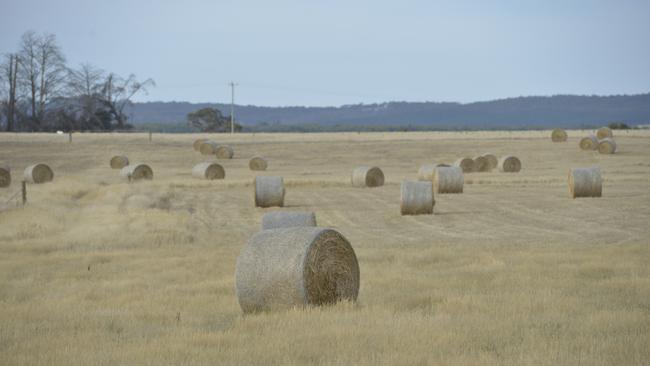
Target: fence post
[
  {"x": 24, "y": 193},
  {"x": 70, "y": 137},
  {"x": 150, "y": 136}
]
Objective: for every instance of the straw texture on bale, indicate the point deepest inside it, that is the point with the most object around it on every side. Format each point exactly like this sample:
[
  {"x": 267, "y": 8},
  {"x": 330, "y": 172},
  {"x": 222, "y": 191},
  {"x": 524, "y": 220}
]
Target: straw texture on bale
[
  {"x": 38, "y": 173},
  {"x": 417, "y": 198},
  {"x": 481, "y": 164},
  {"x": 509, "y": 164},
  {"x": 119, "y": 161},
  {"x": 467, "y": 164},
  {"x": 427, "y": 171},
  {"x": 301, "y": 266},
  {"x": 137, "y": 172},
  {"x": 5, "y": 176},
  {"x": 558, "y": 135},
  {"x": 366, "y": 176},
  {"x": 197, "y": 144},
  {"x": 589, "y": 143},
  {"x": 279, "y": 219},
  {"x": 492, "y": 159},
  {"x": 604, "y": 132},
  {"x": 225, "y": 152},
  {"x": 585, "y": 182},
  {"x": 448, "y": 180},
  {"x": 257, "y": 163},
  {"x": 209, "y": 171},
  {"x": 269, "y": 191},
  {"x": 208, "y": 147},
  {"x": 607, "y": 146}
]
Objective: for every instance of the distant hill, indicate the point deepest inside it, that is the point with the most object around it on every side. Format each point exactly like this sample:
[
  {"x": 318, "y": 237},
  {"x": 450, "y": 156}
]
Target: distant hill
[{"x": 567, "y": 111}]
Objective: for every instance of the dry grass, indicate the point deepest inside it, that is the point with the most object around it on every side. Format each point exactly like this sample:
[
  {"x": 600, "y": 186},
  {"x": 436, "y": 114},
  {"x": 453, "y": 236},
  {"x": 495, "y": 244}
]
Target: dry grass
[{"x": 98, "y": 271}]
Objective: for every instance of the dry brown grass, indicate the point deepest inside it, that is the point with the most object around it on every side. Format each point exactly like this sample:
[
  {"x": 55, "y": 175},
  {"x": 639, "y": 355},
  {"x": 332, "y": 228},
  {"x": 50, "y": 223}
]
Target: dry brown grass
[{"x": 99, "y": 271}]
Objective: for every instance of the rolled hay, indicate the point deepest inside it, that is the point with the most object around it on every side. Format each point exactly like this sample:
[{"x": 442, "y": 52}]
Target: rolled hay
[
  {"x": 417, "y": 198},
  {"x": 197, "y": 144},
  {"x": 427, "y": 171},
  {"x": 509, "y": 164},
  {"x": 585, "y": 182},
  {"x": 208, "y": 147},
  {"x": 257, "y": 163},
  {"x": 558, "y": 135},
  {"x": 279, "y": 219},
  {"x": 269, "y": 191},
  {"x": 492, "y": 160},
  {"x": 448, "y": 180},
  {"x": 481, "y": 164},
  {"x": 38, "y": 173},
  {"x": 366, "y": 176},
  {"x": 589, "y": 143},
  {"x": 607, "y": 146},
  {"x": 467, "y": 164},
  {"x": 224, "y": 152},
  {"x": 604, "y": 132},
  {"x": 209, "y": 171},
  {"x": 119, "y": 162},
  {"x": 137, "y": 171},
  {"x": 5, "y": 176},
  {"x": 300, "y": 266}
]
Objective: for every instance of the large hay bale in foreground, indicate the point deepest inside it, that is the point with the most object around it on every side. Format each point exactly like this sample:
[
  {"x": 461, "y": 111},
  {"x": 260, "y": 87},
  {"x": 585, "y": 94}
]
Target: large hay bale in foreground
[
  {"x": 281, "y": 219},
  {"x": 137, "y": 171},
  {"x": 509, "y": 164},
  {"x": 481, "y": 164},
  {"x": 269, "y": 191},
  {"x": 38, "y": 173},
  {"x": 604, "y": 132},
  {"x": 585, "y": 182},
  {"x": 208, "y": 147},
  {"x": 607, "y": 146},
  {"x": 417, "y": 198},
  {"x": 300, "y": 266},
  {"x": 558, "y": 135},
  {"x": 366, "y": 176},
  {"x": 224, "y": 152},
  {"x": 427, "y": 171},
  {"x": 448, "y": 180},
  {"x": 257, "y": 163},
  {"x": 5, "y": 176},
  {"x": 492, "y": 159},
  {"x": 119, "y": 162},
  {"x": 589, "y": 143},
  {"x": 197, "y": 144},
  {"x": 209, "y": 171},
  {"x": 467, "y": 164}
]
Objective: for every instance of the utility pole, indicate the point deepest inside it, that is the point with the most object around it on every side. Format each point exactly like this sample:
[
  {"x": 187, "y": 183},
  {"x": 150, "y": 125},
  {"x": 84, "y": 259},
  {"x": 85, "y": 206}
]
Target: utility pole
[{"x": 232, "y": 107}]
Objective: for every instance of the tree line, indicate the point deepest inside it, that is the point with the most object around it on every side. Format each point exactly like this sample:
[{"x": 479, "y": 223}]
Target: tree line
[{"x": 39, "y": 92}]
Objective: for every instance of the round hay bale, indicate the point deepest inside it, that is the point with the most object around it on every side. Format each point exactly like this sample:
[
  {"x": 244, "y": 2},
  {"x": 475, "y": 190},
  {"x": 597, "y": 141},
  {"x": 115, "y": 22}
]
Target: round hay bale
[
  {"x": 604, "y": 132},
  {"x": 492, "y": 159},
  {"x": 224, "y": 152},
  {"x": 299, "y": 266},
  {"x": 257, "y": 163},
  {"x": 280, "y": 219},
  {"x": 607, "y": 146},
  {"x": 269, "y": 191},
  {"x": 197, "y": 144},
  {"x": 209, "y": 171},
  {"x": 589, "y": 143},
  {"x": 38, "y": 173},
  {"x": 365, "y": 176},
  {"x": 137, "y": 171},
  {"x": 509, "y": 164},
  {"x": 417, "y": 198},
  {"x": 558, "y": 135},
  {"x": 5, "y": 176},
  {"x": 119, "y": 162},
  {"x": 467, "y": 164},
  {"x": 481, "y": 164},
  {"x": 208, "y": 147},
  {"x": 427, "y": 171},
  {"x": 585, "y": 182},
  {"x": 448, "y": 180}
]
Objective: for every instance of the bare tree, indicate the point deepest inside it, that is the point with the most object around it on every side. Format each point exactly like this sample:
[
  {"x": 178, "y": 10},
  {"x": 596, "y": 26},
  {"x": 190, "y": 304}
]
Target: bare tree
[
  {"x": 9, "y": 79},
  {"x": 84, "y": 85},
  {"x": 117, "y": 93}
]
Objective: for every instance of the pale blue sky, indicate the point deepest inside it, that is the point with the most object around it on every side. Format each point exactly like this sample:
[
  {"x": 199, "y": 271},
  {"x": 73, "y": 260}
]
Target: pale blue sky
[{"x": 346, "y": 52}]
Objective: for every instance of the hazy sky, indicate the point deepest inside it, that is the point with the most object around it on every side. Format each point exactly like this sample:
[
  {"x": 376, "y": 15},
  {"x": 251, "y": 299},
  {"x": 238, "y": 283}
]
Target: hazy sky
[{"x": 345, "y": 52}]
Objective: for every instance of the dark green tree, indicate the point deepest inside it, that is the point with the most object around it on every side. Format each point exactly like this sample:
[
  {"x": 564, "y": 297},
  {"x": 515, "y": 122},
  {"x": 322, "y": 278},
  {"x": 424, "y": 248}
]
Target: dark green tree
[{"x": 210, "y": 120}]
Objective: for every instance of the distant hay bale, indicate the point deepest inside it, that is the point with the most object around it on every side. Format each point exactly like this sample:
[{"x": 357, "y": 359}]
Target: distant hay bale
[
  {"x": 558, "y": 135},
  {"x": 269, "y": 191},
  {"x": 38, "y": 173},
  {"x": 481, "y": 164},
  {"x": 209, "y": 171},
  {"x": 467, "y": 164},
  {"x": 492, "y": 159},
  {"x": 417, "y": 198},
  {"x": 427, "y": 171},
  {"x": 208, "y": 147},
  {"x": 257, "y": 163},
  {"x": 607, "y": 146},
  {"x": 604, "y": 132},
  {"x": 589, "y": 143},
  {"x": 366, "y": 176},
  {"x": 300, "y": 266},
  {"x": 585, "y": 182},
  {"x": 448, "y": 180},
  {"x": 509, "y": 164},
  {"x": 5, "y": 176},
  {"x": 197, "y": 144},
  {"x": 280, "y": 219},
  {"x": 137, "y": 171},
  {"x": 224, "y": 152},
  {"x": 119, "y": 161}
]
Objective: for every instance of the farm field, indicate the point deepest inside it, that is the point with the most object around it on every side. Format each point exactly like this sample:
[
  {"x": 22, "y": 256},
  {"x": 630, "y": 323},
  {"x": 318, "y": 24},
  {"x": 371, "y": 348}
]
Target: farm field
[{"x": 97, "y": 271}]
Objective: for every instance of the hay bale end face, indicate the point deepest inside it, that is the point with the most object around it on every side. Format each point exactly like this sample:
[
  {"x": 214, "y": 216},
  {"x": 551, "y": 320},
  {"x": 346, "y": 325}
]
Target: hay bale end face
[
  {"x": 417, "y": 198},
  {"x": 301, "y": 266},
  {"x": 607, "y": 146},
  {"x": 269, "y": 191},
  {"x": 257, "y": 163},
  {"x": 448, "y": 180},
  {"x": 481, "y": 164},
  {"x": 365, "y": 176},
  {"x": 585, "y": 182},
  {"x": 38, "y": 173},
  {"x": 119, "y": 162},
  {"x": 137, "y": 171},
  {"x": 467, "y": 164},
  {"x": 509, "y": 164},
  {"x": 558, "y": 135},
  {"x": 225, "y": 152},
  {"x": 604, "y": 132},
  {"x": 209, "y": 171},
  {"x": 589, "y": 143},
  {"x": 208, "y": 147},
  {"x": 197, "y": 144},
  {"x": 5, "y": 176},
  {"x": 280, "y": 219},
  {"x": 492, "y": 159},
  {"x": 426, "y": 171}
]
